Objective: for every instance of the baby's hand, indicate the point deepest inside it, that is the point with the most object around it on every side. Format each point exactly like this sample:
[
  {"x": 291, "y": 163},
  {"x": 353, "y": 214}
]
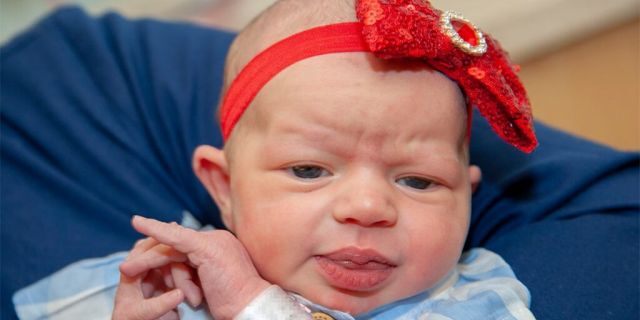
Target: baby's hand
[
  {"x": 227, "y": 275},
  {"x": 172, "y": 274},
  {"x": 146, "y": 295}
]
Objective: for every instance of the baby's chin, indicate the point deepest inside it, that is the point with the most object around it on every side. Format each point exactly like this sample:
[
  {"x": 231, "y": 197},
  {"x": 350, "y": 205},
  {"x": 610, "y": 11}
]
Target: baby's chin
[
  {"x": 354, "y": 303},
  {"x": 348, "y": 303}
]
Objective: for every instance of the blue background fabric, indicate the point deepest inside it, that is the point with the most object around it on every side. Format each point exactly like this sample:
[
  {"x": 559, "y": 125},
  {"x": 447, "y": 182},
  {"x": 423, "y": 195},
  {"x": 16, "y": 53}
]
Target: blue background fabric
[{"x": 99, "y": 117}]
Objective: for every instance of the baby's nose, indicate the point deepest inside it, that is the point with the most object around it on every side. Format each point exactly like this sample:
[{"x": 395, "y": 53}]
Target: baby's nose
[{"x": 366, "y": 202}]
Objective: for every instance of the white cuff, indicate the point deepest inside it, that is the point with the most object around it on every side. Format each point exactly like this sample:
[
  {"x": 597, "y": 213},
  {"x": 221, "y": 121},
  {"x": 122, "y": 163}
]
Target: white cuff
[{"x": 273, "y": 304}]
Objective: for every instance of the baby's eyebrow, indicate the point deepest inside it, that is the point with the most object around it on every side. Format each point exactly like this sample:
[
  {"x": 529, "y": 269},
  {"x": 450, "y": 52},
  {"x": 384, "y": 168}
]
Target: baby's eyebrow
[
  {"x": 311, "y": 134},
  {"x": 304, "y": 143}
]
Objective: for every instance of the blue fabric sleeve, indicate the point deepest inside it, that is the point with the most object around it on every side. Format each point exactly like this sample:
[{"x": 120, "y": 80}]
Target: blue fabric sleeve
[{"x": 99, "y": 117}]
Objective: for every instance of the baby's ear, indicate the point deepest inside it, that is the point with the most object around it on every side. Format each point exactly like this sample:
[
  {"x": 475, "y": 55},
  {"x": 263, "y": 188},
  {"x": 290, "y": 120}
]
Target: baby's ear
[
  {"x": 211, "y": 168},
  {"x": 475, "y": 176}
]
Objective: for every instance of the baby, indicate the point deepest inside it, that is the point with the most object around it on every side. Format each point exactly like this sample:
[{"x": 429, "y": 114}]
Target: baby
[{"x": 345, "y": 175}]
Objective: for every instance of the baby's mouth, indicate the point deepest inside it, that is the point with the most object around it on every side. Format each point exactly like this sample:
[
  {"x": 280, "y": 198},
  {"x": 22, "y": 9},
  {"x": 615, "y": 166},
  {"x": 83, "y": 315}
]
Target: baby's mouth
[{"x": 355, "y": 269}]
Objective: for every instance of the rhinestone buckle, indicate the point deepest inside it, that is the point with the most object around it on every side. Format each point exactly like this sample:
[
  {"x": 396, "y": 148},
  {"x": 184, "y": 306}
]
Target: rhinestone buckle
[{"x": 447, "y": 28}]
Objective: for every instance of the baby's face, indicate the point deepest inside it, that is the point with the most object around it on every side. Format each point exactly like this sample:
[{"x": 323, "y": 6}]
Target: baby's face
[{"x": 348, "y": 182}]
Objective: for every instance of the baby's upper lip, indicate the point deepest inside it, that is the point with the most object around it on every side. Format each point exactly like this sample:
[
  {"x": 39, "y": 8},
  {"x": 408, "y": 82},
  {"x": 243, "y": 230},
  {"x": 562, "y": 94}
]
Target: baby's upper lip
[{"x": 359, "y": 256}]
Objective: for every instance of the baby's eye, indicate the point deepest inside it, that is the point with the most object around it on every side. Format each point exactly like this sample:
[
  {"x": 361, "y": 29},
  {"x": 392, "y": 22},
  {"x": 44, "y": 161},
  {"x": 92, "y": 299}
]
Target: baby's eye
[
  {"x": 415, "y": 182},
  {"x": 308, "y": 172}
]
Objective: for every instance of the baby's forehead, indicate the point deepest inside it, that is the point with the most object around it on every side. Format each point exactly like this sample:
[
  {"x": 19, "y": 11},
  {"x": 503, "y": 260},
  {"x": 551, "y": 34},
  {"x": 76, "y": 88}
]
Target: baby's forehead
[
  {"x": 347, "y": 78},
  {"x": 305, "y": 106}
]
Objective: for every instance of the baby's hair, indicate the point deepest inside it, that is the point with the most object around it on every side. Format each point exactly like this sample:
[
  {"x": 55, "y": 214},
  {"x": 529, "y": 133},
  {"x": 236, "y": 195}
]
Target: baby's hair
[{"x": 280, "y": 20}]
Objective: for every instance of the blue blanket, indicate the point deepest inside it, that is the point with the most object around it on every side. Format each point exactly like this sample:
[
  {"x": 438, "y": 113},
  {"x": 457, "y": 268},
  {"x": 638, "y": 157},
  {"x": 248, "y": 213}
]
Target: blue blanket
[{"x": 99, "y": 117}]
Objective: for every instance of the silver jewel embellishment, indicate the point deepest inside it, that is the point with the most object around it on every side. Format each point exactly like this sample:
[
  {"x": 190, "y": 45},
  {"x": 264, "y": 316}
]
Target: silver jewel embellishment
[{"x": 447, "y": 28}]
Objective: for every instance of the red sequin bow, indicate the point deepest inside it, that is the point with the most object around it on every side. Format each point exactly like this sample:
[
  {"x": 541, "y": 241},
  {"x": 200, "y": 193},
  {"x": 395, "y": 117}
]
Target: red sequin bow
[{"x": 401, "y": 29}]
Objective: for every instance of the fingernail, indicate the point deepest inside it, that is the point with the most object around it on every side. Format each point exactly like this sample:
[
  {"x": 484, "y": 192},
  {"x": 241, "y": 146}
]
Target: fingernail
[{"x": 193, "y": 301}]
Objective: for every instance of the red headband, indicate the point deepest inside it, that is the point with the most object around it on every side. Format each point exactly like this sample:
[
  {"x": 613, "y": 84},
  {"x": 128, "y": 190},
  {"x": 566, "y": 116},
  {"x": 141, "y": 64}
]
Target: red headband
[{"x": 404, "y": 29}]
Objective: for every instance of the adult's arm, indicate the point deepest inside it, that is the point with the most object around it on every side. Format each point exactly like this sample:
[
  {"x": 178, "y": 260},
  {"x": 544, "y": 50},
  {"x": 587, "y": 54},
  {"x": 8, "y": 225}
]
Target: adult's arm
[
  {"x": 100, "y": 116},
  {"x": 566, "y": 218}
]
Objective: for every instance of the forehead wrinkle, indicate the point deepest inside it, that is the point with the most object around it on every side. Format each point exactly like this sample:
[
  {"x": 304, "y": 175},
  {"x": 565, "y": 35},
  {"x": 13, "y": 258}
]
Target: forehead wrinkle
[{"x": 390, "y": 149}]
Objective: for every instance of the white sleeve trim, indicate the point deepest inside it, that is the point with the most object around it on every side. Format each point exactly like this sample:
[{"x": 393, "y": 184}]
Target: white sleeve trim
[{"x": 273, "y": 304}]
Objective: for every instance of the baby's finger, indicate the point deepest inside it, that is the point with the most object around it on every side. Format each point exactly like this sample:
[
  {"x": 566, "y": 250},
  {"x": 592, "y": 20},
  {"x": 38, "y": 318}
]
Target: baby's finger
[
  {"x": 183, "y": 279},
  {"x": 153, "y": 282},
  {"x": 156, "y": 307},
  {"x": 167, "y": 277},
  {"x": 156, "y": 257},
  {"x": 182, "y": 239},
  {"x": 141, "y": 246},
  {"x": 129, "y": 289},
  {"x": 144, "y": 244},
  {"x": 130, "y": 303},
  {"x": 172, "y": 315}
]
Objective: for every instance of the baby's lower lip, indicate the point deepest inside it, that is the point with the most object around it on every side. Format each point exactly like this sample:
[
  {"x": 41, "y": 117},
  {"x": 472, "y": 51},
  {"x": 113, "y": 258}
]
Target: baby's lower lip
[{"x": 349, "y": 275}]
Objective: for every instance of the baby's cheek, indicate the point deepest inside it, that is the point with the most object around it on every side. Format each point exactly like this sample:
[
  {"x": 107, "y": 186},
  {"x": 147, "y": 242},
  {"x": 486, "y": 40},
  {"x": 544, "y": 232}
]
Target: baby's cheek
[
  {"x": 265, "y": 246},
  {"x": 436, "y": 252}
]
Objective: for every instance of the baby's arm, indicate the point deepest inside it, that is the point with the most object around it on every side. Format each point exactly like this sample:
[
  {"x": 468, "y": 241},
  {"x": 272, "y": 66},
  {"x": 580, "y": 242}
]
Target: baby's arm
[{"x": 230, "y": 282}]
